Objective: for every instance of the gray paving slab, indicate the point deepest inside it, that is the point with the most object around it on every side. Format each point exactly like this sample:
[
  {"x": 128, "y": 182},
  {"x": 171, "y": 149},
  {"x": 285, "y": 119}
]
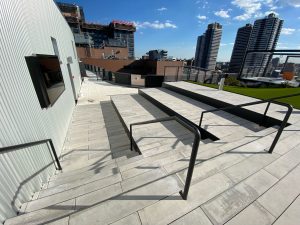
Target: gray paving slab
[
  {"x": 291, "y": 215},
  {"x": 84, "y": 177},
  {"x": 206, "y": 152},
  {"x": 122, "y": 163},
  {"x": 249, "y": 166},
  {"x": 164, "y": 157},
  {"x": 184, "y": 162},
  {"x": 76, "y": 164},
  {"x": 84, "y": 169},
  {"x": 96, "y": 197},
  {"x": 223, "y": 207},
  {"x": 195, "y": 217},
  {"x": 142, "y": 179},
  {"x": 44, "y": 216},
  {"x": 139, "y": 170},
  {"x": 71, "y": 193},
  {"x": 254, "y": 214},
  {"x": 123, "y": 153},
  {"x": 88, "y": 182},
  {"x": 127, "y": 203},
  {"x": 288, "y": 143},
  {"x": 211, "y": 167},
  {"x": 168, "y": 147},
  {"x": 91, "y": 169},
  {"x": 173, "y": 207},
  {"x": 63, "y": 221},
  {"x": 132, "y": 219},
  {"x": 285, "y": 164},
  {"x": 155, "y": 163},
  {"x": 279, "y": 197}
]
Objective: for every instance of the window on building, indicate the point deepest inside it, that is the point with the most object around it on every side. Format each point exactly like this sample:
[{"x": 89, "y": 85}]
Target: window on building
[{"x": 46, "y": 77}]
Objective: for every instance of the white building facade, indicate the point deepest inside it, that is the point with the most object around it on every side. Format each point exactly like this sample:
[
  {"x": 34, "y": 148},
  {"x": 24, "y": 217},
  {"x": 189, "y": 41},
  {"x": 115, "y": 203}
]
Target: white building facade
[{"x": 30, "y": 28}]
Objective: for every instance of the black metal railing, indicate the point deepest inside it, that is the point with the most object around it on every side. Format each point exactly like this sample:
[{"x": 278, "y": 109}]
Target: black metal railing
[
  {"x": 194, "y": 129},
  {"x": 256, "y": 63},
  {"x": 190, "y": 73},
  {"x": 30, "y": 144},
  {"x": 269, "y": 101}
]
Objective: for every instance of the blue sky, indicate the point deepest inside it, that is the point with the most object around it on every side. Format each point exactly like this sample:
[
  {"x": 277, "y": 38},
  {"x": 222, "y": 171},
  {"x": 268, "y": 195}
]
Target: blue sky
[{"x": 175, "y": 24}]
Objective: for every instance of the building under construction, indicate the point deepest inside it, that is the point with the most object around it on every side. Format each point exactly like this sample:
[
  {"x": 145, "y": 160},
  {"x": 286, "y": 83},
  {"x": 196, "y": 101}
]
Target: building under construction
[{"x": 118, "y": 34}]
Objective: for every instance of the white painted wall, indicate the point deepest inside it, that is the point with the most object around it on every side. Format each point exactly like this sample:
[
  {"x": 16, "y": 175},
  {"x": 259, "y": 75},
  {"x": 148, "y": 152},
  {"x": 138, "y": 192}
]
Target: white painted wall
[{"x": 26, "y": 28}]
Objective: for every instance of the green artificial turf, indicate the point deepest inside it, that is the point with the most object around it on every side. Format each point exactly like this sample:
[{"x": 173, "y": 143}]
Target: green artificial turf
[{"x": 263, "y": 93}]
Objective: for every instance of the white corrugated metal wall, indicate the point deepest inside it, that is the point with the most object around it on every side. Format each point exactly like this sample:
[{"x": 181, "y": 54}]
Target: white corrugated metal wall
[{"x": 26, "y": 28}]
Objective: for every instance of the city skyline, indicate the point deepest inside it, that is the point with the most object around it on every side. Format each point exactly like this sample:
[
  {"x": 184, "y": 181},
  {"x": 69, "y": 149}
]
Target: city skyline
[{"x": 160, "y": 26}]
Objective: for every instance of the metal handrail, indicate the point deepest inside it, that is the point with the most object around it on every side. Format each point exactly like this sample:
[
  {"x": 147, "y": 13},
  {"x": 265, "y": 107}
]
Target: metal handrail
[
  {"x": 288, "y": 52},
  {"x": 269, "y": 101},
  {"x": 194, "y": 129},
  {"x": 34, "y": 143},
  {"x": 189, "y": 68}
]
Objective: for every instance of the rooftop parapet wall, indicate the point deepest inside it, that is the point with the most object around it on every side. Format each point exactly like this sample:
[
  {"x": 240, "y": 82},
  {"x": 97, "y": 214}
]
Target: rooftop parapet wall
[
  {"x": 143, "y": 67},
  {"x": 97, "y": 53},
  {"x": 107, "y": 64}
]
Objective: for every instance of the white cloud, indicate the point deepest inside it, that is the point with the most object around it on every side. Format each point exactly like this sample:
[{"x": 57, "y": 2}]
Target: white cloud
[
  {"x": 162, "y": 9},
  {"x": 170, "y": 25},
  {"x": 201, "y": 17},
  {"x": 155, "y": 25},
  {"x": 250, "y": 8},
  {"x": 223, "y": 44},
  {"x": 244, "y": 16},
  {"x": 287, "y": 31},
  {"x": 253, "y": 8},
  {"x": 222, "y": 13},
  {"x": 271, "y": 4},
  {"x": 294, "y": 3}
]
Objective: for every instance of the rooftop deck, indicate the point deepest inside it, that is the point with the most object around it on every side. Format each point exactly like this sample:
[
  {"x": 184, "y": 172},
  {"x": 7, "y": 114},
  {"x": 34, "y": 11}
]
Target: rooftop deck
[{"x": 235, "y": 180}]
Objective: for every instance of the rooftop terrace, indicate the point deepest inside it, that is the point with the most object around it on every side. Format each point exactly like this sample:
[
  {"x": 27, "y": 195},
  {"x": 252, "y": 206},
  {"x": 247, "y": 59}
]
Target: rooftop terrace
[{"x": 235, "y": 179}]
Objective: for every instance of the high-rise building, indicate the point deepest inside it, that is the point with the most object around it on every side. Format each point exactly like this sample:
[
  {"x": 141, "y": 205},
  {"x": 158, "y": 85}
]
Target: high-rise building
[
  {"x": 264, "y": 36},
  {"x": 158, "y": 54},
  {"x": 117, "y": 34},
  {"x": 240, "y": 48},
  {"x": 208, "y": 46}
]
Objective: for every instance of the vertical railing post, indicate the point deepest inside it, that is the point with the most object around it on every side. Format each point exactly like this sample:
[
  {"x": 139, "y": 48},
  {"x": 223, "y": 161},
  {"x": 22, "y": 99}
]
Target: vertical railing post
[
  {"x": 201, "y": 118},
  {"x": 189, "y": 72},
  {"x": 197, "y": 76},
  {"x": 55, "y": 155},
  {"x": 283, "y": 124},
  {"x": 243, "y": 65},
  {"x": 265, "y": 113},
  {"x": 193, "y": 158},
  {"x": 131, "y": 137}
]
